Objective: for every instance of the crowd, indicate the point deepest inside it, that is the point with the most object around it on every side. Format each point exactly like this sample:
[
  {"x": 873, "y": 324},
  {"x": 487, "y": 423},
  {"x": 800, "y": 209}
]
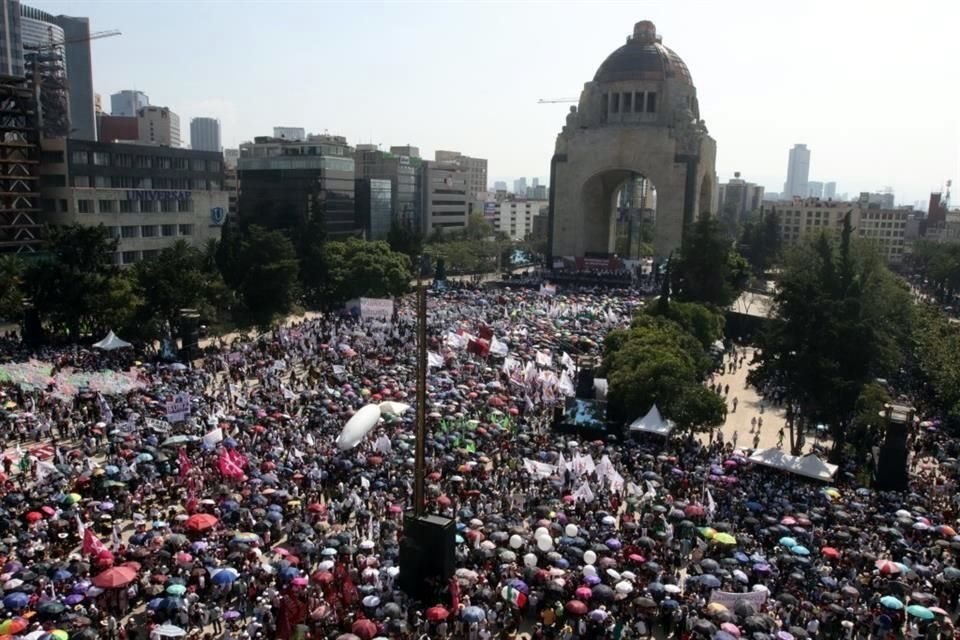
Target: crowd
[{"x": 214, "y": 501}]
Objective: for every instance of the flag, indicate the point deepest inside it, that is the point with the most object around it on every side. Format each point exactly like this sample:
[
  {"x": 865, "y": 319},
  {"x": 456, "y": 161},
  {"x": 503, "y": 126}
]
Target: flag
[
  {"x": 213, "y": 438},
  {"x": 434, "y": 360},
  {"x": 106, "y": 413},
  {"x": 485, "y": 333},
  {"x": 711, "y": 506},
  {"x": 183, "y": 462},
  {"x": 115, "y": 540},
  {"x": 616, "y": 482},
  {"x": 562, "y": 464},
  {"x": 538, "y": 469},
  {"x": 91, "y": 544},
  {"x": 584, "y": 493},
  {"x": 498, "y": 348},
  {"x": 230, "y": 469}
]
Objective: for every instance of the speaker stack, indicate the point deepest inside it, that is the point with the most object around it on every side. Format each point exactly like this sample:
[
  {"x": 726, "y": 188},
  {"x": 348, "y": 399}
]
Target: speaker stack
[
  {"x": 892, "y": 472},
  {"x": 427, "y": 559}
]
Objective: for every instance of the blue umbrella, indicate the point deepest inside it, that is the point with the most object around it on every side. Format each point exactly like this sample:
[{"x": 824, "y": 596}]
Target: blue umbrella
[
  {"x": 669, "y": 603},
  {"x": 888, "y": 601},
  {"x": 788, "y": 542},
  {"x": 16, "y": 601},
  {"x": 754, "y": 506},
  {"x": 473, "y": 614},
  {"x": 800, "y": 550},
  {"x": 710, "y": 581},
  {"x": 519, "y": 585},
  {"x": 741, "y": 557},
  {"x": 61, "y": 574},
  {"x": 224, "y": 576}
]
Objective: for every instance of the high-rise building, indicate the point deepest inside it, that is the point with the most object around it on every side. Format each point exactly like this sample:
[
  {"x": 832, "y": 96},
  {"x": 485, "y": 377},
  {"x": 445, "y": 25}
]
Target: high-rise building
[
  {"x": 149, "y": 197},
  {"x": 83, "y": 119},
  {"x": 158, "y": 125},
  {"x": 205, "y": 134},
  {"x": 476, "y": 170},
  {"x": 535, "y": 182},
  {"x": 128, "y": 103},
  {"x": 739, "y": 198},
  {"x": 45, "y": 59},
  {"x": 402, "y": 171},
  {"x": 231, "y": 157},
  {"x": 520, "y": 187},
  {"x": 500, "y": 185},
  {"x": 11, "y": 39},
  {"x": 798, "y": 172},
  {"x": 516, "y": 217},
  {"x": 293, "y": 134},
  {"x": 115, "y": 128},
  {"x": 280, "y": 179},
  {"x": 830, "y": 191},
  {"x": 814, "y": 189},
  {"x": 883, "y": 199},
  {"x": 444, "y": 196},
  {"x": 374, "y": 207}
]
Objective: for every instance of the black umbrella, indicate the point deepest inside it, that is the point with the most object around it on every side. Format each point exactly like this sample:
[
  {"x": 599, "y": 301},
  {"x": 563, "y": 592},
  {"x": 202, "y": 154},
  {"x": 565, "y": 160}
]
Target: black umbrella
[{"x": 744, "y": 609}]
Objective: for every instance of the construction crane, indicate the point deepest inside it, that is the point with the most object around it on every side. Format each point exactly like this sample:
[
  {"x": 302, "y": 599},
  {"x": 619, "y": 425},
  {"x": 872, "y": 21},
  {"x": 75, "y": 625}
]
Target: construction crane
[
  {"x": 48, "y": 69},
  {"x": 556, "y": 100}
]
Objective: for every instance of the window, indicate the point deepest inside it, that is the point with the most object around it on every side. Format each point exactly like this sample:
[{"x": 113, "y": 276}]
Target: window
[
  {"x": 164, "y": 163},
  {"x": 213, "y": 166},
  {"x": 81, "y": 181},
  {"x": 62, "y": 208},
  {"x": 129, "y": 257},
  {"x": 168, "y": 206},
  {"x": 144, "y": 162},
  {"x": 150, "y": 254},
  {"x": 84, "y": 206},
  {"x": 47, "y": 205},
  {"x": 186, "y": 229},
  {"x": 180, "y": 163},
  {"x": 168, "y": 230},
  {"x": 123, "y": 160},
  {"x": 149, "y": 206},
  {"x": 627, "y": 102},
  {"x": 79, "y": 157},
  {"x": 107, "y": 206},
  {"x": 123, "y": 182},
  {"x": 114, "y": 232},
  {"x": 148, "y": 231},
  {"x": 128, "y": 206},
  {"x": 638, "y": 102},
  {"x": 198, "y": 165},
  {"x": 129, "y": 232},
  {"x": 101, "y": 182},
  {"x": 651, "y": 102},
  {"x": 145, "y": 183},
  {"x": 185, "y": 206},
  {"x": 101, "y": 158},
  {"x": 615, "y": 104}
]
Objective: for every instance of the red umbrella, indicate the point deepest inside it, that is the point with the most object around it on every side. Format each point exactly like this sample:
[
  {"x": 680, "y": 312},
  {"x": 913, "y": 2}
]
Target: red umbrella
[
  {"x": 443, "y": 501},
  {"x": 316, "y": 507},
  {"x": 830, "y": 552},
  {"x": 887, "y": 567},
  {"x": 436, "y": 614},
  {"x": 692, "y": 510},
  {"x": 323, "y": 577},
  {"x": 364, "y": 629},
  {"x": 201, "y": 522},
  {"x": 115, "y": 577},
  {"x": 34, "y": 516},
  {"x": 576, "y": 607}
]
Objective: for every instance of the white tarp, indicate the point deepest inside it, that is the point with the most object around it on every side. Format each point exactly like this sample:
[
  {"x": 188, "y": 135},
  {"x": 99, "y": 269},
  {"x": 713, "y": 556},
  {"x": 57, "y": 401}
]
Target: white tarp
[
  {"x": 653, "y": 422},
  {"x": 111, "y": 343},
  {"x": 809, "y": 466}
]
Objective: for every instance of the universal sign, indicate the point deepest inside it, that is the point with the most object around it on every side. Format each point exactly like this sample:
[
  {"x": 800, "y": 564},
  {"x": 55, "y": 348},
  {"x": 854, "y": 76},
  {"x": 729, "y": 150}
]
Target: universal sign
[{"x": 145, "y": 194}]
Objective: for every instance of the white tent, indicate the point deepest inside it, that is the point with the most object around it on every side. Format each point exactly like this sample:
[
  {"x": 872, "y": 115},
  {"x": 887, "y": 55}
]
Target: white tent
[
  {"x": 653, "y": 422},
  {"x": 111, "y": 342},
  {"x": 808, "y": 466}
]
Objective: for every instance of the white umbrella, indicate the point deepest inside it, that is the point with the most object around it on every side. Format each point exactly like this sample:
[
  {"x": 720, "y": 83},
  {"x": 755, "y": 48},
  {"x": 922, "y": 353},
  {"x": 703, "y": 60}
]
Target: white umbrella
[{"x": 170, "y": 631}]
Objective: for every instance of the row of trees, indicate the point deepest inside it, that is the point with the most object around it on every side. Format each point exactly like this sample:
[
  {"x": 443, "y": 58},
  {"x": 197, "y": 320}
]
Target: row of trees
[{"x": 842, "y": 321}]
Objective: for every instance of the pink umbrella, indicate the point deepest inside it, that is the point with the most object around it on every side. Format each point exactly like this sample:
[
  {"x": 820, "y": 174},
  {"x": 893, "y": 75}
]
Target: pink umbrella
[
  {"x": 583, "y": 593},
  {"x": 731, "y": 628}
]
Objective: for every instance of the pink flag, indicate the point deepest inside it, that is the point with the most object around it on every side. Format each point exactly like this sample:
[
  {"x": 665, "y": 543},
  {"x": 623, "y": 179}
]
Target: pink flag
[
  {"x": 184, "y": 462},
  {"x": 229, "y": 468}
]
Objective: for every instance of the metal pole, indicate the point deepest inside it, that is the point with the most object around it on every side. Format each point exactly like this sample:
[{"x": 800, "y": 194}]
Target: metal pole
[{"x": 419, "y": 467}]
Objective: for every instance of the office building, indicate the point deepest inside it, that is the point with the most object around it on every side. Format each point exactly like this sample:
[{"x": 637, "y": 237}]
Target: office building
[
  {"x": 738, "y": 198},
  {"x": 814, "y": 189},
  {"x": 516, "y": 217},
  {"x": 158, "y": 125},
  {"x": 44, "y": 57},
  {"x": 883, "y": 199},
  {"x": 127, "y": 103},
  {"x": 537, "y": 192},
  {"x": 406, "y": 150},
  {"x": 830, "y": 191},
  {"x": 520, "y": 187},
  {"x": 500, "y": 185},
  {"x": 444, "y": 195},
  {"x": 293, "y": 134},
  {"x": 83, "y": 119},
  {"x": 231, "y": 157},
  {"x": 97, "y": 104},
  {"x": 403, "y": 173},
  {"x": 148, "y": 196},
  {"x": 885, "y": 227},
  {"x": 798, "y": 172},
  {"x": 231, "y": 184},
  {"x": 280, "y": 178},
  {"x": 21, "y": 228},
  {"x": 205, "y": 134},
  {"x": 476, "y": 170},
  {"x": 374, "y": 207},
  {"x": 11, "y": 39}
]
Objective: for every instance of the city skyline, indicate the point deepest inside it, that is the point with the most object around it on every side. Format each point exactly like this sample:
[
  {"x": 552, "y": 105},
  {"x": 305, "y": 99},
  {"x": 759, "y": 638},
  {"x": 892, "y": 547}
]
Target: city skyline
[{"x": 863, "y": 138}]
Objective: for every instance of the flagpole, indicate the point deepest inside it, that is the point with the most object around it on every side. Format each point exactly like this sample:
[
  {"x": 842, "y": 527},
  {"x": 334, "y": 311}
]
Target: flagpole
[{"x": 419, "y": 467}]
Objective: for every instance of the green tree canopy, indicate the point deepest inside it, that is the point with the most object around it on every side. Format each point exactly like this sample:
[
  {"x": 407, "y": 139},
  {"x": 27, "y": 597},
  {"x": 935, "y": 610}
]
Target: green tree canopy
[
  {"x": 708, "y": 270},
  {"x": 267, "y": 273},
  {"x": 362, "y": 268},
  {"x": 702, "y": 322}
]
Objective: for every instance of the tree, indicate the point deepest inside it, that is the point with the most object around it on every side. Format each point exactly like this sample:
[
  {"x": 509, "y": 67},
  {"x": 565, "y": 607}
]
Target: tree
[
  {"x": 760, "y": 242},
  {"x": 311, "y": 249},
  {"x": 841, "y": 320},
  {"x": 707, "y": 269},
  {"x": 697, "y": 408},
  {"x": 700, "y": 321},
  {"x": 11, "y": 288},
  {"x": 268, "y": 275},
  {"x": 363, "y": 268},
  {"x": 78, "y": 290},
  {"x": 404, "y": 238}
]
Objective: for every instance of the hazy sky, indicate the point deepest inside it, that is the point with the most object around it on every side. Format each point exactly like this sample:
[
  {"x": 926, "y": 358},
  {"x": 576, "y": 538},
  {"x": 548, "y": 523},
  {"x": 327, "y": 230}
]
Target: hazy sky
[{"x": 871, "y": 87}]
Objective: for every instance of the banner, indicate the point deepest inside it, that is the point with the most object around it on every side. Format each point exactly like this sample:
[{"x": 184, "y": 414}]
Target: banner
[
  {"x": 498, "y": 348},
  {"x": 376, "y": 308},
  {"x": 729, "y": 599},
  {"x": 547, "y": 289},
  {"x": 538, "y": 469},
  {"x": 178, "y": 407}
]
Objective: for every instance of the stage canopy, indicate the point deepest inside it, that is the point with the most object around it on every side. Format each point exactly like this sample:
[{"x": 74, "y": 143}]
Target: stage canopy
[
  {"x": 653, "y": 422},
  {"x": 111, "y": 343},
  {"x": 809, "y": 466}
]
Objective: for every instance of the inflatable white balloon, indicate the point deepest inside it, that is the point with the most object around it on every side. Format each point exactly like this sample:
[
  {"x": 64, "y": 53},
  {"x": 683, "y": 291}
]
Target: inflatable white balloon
[
  {"x": 357, "y": 427},
  {"x": 589, "y": 556},
  {"x": 516, "y": 541},
  {"x": 540, "y": 532},
  {"x": 388, "y": 407},
  {"x": 544, "y": 543},
  {"x": 571, "y": 531},
  {"x": 589, "y": 570},
  {"x": 530, "y": 560}
]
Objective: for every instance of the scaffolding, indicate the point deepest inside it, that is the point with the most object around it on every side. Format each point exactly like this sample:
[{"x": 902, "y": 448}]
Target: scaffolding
[{"x": 19, "y": 167}]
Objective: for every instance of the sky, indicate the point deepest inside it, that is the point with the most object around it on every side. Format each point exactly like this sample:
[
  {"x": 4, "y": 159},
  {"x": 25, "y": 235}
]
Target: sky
[{"x": 870, "y": 86}]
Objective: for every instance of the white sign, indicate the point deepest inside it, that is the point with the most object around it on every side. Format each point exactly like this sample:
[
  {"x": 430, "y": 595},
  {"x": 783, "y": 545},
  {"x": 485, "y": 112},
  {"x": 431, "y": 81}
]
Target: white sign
[
  {"x": 729, "y": 599},
  {"x": 178, "y": 408},
  {"x": 376, "y": 308}
]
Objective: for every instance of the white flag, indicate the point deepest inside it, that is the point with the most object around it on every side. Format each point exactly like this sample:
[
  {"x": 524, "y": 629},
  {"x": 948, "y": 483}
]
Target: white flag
[
  {"x": 711, "y": 505},
  {"x": 584, "y": 493},
  {"x": 538, "y": 469},
  {"x": 498, "y": 348},
  {"x": 213, "y": 438},
  {"x": 616, "y": 482},
  {"x": 434, "y": 360}
]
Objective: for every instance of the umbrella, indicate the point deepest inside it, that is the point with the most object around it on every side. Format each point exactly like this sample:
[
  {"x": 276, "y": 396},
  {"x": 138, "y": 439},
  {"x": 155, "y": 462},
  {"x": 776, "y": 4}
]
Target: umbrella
[
  {"x": 169, "y": 631},
  {"x": 225, "y": 576},
  {"x": 200, "y": 522},
  {"x": 476, "y": 614},
  {"x": 576, "y": 607},
  {"x": 891, "y": 602},
  {"x": 364, "y": 629},
  {"x": 115, "y": 577},
  {"x": 921, "y": 612},
  {"x": 16, "y": 601},
  {"x": 724, "y": 538},
  {"x": 436, "y": 614}
]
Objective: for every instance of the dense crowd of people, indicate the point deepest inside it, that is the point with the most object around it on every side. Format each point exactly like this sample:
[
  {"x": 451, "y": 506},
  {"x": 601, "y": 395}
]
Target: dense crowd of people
[{"x": 213, "y": 499}]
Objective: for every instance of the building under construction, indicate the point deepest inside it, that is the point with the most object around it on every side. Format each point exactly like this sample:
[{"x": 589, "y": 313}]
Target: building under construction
[{"x": 19, "y": 165}]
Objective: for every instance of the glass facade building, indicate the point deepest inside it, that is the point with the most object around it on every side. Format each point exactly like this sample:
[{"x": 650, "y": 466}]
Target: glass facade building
[{"x": 374, "y": 207}]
